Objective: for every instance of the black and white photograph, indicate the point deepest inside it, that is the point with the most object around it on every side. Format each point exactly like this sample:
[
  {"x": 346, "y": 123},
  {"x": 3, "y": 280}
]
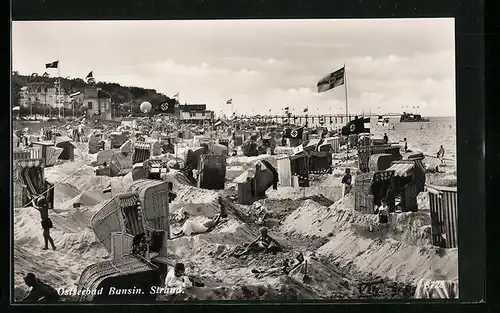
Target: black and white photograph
[{"x": 179, "y": 160}]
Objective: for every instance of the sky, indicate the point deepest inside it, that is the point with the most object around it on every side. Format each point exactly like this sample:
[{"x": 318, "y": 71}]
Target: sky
[{"x": 392, "y": 65}]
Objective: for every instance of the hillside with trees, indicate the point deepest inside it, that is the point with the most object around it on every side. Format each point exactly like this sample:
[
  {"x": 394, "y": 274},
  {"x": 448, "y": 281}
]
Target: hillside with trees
[{"x": 123, "y": 98}]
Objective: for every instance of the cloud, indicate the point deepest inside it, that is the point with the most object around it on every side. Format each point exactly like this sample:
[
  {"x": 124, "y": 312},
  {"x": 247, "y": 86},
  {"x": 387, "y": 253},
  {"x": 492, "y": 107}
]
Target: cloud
[
  {"x": 313, "y": 44},
  {"x": 260, "y": 64}
]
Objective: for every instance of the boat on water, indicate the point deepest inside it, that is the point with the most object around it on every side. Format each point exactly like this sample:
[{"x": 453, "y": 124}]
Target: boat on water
[
  {"x": 382, "y": 121},
  {"x": 409, "y": 117}
]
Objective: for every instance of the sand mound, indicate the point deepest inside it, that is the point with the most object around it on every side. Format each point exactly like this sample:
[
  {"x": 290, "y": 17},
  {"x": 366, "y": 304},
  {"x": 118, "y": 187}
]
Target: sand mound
[
  {"x": 70, "y": 233},
  {"x": 399, "y": 251},
  {"x": 203, "y": 202},
  {"x": 331, "y": 192},
  {"x": 195, "y": 200},
  {"x": 256, "y": 276},
  {"x": 76, "y": 245},
  {"x": 249, "y": 162},
  {"x": 90, "y": 198},
  {"x": 64, "y": 191},
  {"x": 442, "y": 179},
  {"x": 80, "y": 176}
]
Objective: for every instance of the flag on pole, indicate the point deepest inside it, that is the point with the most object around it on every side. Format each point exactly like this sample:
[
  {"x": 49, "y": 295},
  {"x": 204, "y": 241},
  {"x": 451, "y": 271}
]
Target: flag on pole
[
  {"x": 176, "y": 95},
  {"x": 294, "y": 133},
  {"x": 230, "y": 101},
  {"x": 357, "y": 126},
  {"x": 54, "y": 64},
  {"x": 269, "y": 110},
  {"x": 167, "y": 106},
  {"x": 331, "y": 80},
  {"x": 90, "y": 78},
  {"x": 74, "y": 95},
  {"x": 306, "y": 110}
]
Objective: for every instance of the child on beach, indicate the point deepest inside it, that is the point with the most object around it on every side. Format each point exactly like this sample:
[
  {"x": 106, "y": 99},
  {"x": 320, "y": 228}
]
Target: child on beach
[
  {"x": 383, "y": 212},
  {"x": 346, "y": 182}
]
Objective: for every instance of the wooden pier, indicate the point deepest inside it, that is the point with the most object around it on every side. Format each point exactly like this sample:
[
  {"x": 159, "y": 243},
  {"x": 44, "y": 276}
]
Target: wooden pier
[{"x": 306, "y": 118}]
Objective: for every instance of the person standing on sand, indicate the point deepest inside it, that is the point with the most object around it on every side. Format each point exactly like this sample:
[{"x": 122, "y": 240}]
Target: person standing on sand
[
  {"x": 346, "y": 182},
  {"x": 440, "y": 154},
  {"x": 386, "y": 139},
  {"x": 40, "y": 203},
  {"x": 406, "y": 145},
  {"x": 383, "y": 212}
]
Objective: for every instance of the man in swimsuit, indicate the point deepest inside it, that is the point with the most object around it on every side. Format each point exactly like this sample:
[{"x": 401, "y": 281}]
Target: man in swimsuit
[
  {"x": 40, "y": 203},
  {"x": 263, "y": 243}
]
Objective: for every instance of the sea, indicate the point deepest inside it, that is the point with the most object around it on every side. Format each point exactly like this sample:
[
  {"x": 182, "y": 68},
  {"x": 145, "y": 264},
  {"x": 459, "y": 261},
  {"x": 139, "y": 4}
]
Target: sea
[{"x": 425, "y": 137}]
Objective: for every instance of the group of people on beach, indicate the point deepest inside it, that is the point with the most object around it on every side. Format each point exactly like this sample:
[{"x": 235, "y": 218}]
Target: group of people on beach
[{"x": 77, "y": 133}]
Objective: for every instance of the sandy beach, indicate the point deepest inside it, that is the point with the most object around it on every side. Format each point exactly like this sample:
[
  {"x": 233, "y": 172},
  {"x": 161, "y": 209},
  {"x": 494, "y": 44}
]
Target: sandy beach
[{"x": 344, "y": 247}]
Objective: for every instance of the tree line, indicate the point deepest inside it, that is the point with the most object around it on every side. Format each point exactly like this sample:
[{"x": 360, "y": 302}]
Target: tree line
[{"x": 123, "y": 98}]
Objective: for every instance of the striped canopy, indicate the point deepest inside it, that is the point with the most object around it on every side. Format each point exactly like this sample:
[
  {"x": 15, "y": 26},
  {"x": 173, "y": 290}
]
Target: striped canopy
[{"x": 30, "y": 163}]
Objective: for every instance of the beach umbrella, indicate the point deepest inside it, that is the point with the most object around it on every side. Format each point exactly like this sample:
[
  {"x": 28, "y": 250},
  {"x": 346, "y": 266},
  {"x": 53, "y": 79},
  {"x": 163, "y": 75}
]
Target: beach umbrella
[{"x": 16, "y": 108}]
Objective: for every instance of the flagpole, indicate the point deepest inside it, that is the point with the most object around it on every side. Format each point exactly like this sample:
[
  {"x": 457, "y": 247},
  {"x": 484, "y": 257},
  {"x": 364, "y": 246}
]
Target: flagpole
[
  {"x": 346, "y": 107},
  {"x": 369, "y": 137},
  {"x": 59, "y": 88}
]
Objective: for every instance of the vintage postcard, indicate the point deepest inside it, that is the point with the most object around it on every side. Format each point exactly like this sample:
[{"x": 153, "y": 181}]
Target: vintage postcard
[{"x": 160, "y": 161}]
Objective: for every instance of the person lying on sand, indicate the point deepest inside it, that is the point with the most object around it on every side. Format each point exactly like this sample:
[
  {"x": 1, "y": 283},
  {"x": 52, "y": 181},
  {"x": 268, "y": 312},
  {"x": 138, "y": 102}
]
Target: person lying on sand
[
  {"x": 192, "y": 228},
  {"x": 285, "y": 268},
  {"x": 263, "y": 243}
]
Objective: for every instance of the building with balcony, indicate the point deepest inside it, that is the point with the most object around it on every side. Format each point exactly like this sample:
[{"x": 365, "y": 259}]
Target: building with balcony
[
  {"x": 97, "y": 103},
  {"x": 43, "y": 95},
  {"x": 195, "y": 113}
]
